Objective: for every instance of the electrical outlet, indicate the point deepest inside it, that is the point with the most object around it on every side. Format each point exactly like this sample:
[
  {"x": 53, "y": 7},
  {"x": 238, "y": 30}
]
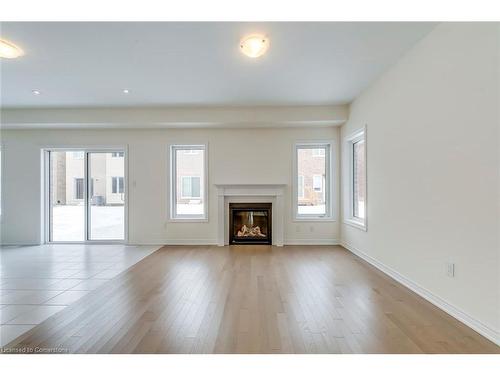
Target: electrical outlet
[
  {"x": 297, "y": 228},
  {"x": 311, "y": 228},
  {"x": 450, "y": 269}
]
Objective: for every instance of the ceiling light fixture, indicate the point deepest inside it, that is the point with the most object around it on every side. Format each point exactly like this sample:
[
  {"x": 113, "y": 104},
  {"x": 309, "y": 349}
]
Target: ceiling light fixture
[
  {"x": 126, "y": 91},
  {"x": 9, "y": 50},
  {"x": 36, "y": 92},
  {"x": 254, "y": 45}
]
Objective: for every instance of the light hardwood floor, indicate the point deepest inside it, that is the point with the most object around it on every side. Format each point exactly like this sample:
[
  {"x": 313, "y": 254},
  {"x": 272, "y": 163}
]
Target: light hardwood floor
[{"x": 254, "y": 299}]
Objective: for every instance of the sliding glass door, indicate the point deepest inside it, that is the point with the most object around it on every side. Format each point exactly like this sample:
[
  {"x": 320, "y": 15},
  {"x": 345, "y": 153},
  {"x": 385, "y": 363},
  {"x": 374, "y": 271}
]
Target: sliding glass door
[
  {"x": 107, "y": 195},
  {"x": 86, "y": 195}
]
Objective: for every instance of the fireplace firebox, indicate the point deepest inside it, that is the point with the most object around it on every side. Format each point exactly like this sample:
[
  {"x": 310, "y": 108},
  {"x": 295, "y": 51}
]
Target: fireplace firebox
[{"x": 250, "y": 223}]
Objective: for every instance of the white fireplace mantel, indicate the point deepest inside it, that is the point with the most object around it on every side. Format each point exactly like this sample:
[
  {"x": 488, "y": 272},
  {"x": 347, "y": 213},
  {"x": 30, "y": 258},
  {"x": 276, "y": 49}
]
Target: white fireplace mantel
[{"x": 273, "y": 193}]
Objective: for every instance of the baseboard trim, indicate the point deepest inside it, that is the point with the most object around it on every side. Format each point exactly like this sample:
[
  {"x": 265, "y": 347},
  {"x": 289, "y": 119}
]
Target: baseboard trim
[
  {"x": 314, "y": 241},
  {"x": 144, "y": 244},
  {"x": 190, "y": 241},
  {"x": 182, "y": 241},
  {"x": 304, "y": 242},
  {"x": 20, "y": 244},
  {"x": 455, "y": 312}
]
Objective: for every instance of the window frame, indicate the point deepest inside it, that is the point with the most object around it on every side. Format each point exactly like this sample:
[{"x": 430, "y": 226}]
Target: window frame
[
  {"x": 173, "y": 216},
  {"x": 349, "y": 218},
  {"x": 328, "y": 186}
]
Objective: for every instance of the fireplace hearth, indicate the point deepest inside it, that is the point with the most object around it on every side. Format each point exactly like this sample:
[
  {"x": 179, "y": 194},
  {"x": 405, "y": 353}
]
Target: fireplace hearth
[{"x": 250, "y": 223}]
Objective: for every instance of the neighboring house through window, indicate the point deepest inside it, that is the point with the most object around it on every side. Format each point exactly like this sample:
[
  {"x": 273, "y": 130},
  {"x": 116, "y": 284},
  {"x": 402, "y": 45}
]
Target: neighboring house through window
[
  {"x": 77, "y": 154},
  {"x": 318, "y": 152},
  {"x": 318, "y": 183},
  {"x": 300, "y": 187},
  {"x": 117, "y": 186},
  {"x": 190, "y": 187},
  {"x": 79, "y": 188}
]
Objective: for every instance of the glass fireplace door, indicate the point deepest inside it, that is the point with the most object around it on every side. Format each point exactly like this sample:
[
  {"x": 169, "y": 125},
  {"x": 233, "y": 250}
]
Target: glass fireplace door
[{"x": 250, "y": 223}]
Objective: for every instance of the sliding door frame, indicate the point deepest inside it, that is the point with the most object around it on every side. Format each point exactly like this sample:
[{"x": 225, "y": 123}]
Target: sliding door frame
[{"x": 47, "y": 203}]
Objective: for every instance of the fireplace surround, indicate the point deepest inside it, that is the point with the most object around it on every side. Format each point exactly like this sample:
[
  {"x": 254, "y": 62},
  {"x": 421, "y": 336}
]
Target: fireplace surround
[
  {"x": 250, "y": 193},
  {"x": 250, "y": 223}
]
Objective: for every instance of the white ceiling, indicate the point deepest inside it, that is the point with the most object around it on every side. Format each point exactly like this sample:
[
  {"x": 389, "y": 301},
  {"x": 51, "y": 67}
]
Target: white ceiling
[{"x": 176, "y": 64}]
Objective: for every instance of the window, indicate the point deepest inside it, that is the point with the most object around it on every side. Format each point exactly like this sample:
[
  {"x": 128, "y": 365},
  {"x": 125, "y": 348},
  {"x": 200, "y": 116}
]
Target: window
[
  {"x": 356, "y": 180},
  {"x": 190, "y": 187},
  {"x": 300, "y": 187},
  {"x": 117, "y": 185},
  {"x": 313, "y": 188},
  {"x": 79, "y": 188},
  {"x": 1, "y": 181},
  {"x": 318, "y": 183},
  {"x": 117, "y": 154},
  {"x": 77, "y": 155},
  {"x": 188, "y": 192}
]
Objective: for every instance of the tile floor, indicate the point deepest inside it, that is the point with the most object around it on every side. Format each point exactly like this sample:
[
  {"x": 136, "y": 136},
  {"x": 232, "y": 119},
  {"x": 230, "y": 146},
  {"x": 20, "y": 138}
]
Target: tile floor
[{"x": 37, "y": 282}]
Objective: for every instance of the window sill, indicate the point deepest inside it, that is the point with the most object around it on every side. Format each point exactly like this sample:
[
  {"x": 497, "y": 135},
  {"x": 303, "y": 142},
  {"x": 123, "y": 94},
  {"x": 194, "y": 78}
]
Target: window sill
[
  {"x": 319, "y": 219},
  {"x": 356, "y": 224},
  {"x": 188, "y": 220}
]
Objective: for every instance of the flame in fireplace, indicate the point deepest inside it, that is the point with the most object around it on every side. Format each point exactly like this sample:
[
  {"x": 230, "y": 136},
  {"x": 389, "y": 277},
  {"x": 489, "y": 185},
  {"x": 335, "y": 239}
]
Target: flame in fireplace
[{"x": 250, "y": 231}]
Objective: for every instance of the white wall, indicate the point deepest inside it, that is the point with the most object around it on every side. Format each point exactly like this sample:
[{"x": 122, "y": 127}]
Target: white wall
[
  {"x": 433, "y": 169},
  {"x": 235, "y": 156}
]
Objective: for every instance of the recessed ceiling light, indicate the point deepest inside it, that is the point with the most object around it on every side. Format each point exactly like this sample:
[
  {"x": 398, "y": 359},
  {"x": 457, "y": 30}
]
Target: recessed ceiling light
[
  {"x": 36, "y": 92},
  {"x": 254, "y": 45},
  {"x": 9, "y": 50},
  {"x": 126, "y": 91}
]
